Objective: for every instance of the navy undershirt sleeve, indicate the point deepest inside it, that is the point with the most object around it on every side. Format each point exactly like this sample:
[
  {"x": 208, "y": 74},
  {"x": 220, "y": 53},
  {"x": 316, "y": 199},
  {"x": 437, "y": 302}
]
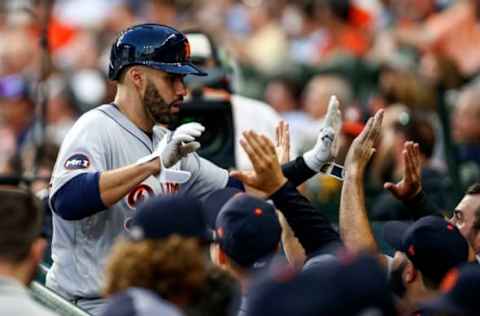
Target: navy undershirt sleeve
[
  {"x": 79, "y": 198},
  {"x": 234, "y": 183}
]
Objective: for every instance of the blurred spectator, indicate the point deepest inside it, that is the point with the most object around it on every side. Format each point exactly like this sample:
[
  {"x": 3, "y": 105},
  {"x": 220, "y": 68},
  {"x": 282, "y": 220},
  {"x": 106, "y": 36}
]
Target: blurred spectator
[
  {"x": 266, "y": 47},
  {"x": 347, "y": 29},
  {"x": 139, "y": 302},
  {"x": 466, "y": 133},
  {"x": 21, "y": 251},
  {"x": 452, "y": 33},
  {"x": 16, "y": 114},
  {"x": 435, "y": 183}
]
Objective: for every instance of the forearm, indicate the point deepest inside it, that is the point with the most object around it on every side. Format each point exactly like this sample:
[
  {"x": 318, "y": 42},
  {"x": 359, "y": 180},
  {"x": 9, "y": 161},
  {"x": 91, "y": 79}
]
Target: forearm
[
  {"x": 115, "y": 184},
  {"x": 355, "y": 229},
  {"x": 311, "y": 227},
  {"x": 297, "y": 171}
]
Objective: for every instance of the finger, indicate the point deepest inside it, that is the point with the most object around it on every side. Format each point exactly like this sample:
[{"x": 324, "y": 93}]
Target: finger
[
  {"x": 183, "y": 138},
  {"x": 416, "y": 155},
  {"x": 192, "y": 128},
  {"x": 190, "y": 147},
  {"x": 283, "y": 131},
  {"x": 267, "y": 145},
  {"x": 277, "y": 134},
  {"x": 286, "y": 138},
  {"x": 366, "y": 130},
  {"x": 253, "y": 140},
  {"x": 377, "y": 125},
  {"x": 332, "y": 110},
  {"x": 252, "y": 155},
  {"x": 409, "y": 174},
  {"x": 391, "y": 187}
]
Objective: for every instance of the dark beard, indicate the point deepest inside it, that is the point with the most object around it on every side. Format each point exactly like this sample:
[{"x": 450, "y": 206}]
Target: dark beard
[
  {"x": 156, "y": 108},
  {"x": 396, "y": 282}
]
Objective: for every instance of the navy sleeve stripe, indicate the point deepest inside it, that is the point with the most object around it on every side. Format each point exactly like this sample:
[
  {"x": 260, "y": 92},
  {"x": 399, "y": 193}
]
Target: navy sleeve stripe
[
  {"x": 79, "y": 198},
  {"x": 234, "y": 183}
]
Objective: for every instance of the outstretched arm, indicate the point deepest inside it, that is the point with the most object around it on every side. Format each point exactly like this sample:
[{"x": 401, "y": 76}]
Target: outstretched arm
[
  {"x": 409, "y": 188},
  {"x": 311, "y": 227},
  {"x": 355, "y": 228}
]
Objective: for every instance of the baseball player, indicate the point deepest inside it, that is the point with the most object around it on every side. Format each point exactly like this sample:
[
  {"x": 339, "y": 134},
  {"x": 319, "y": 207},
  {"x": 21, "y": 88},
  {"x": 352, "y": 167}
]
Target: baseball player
[{"x": 117, "y": 155}]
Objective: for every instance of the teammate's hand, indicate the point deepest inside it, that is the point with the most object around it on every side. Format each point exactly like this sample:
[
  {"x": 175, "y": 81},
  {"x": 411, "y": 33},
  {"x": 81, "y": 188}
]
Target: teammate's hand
[
  {"x": 282, "y": 142},
  {"x": 267, "y": 175},
  {"x": 182, "y": 143},
  {"x": 326, "y": 147},
  {"x": 411, "y": 183},
  {"x": 362, "y": 147}
]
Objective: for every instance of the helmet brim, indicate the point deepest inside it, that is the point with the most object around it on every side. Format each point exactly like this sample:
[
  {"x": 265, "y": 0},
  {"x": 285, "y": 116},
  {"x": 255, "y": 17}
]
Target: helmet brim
[{"x": 183, "y": 69}]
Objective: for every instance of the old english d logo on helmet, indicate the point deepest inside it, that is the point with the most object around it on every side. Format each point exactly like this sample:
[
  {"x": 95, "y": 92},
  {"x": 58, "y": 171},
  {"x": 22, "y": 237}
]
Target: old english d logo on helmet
[{"x": 153, "y": 45}]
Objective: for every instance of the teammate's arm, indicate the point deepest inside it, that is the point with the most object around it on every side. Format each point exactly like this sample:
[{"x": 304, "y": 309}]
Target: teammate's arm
[{"x": 355, "y": 229}]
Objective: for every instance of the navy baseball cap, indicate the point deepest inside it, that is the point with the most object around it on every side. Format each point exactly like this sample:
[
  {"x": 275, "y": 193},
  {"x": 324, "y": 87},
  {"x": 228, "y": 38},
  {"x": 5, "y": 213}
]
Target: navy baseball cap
[
  {"x": 335, "y": 287},
  {"x": 248, "y": 231},
  {"x": 162, "y": 216},
  {"x": 460, "y": 292},
  {"x": 214, "y": 202},
  {"x": 432, "y": 244},
  {"x": 139, "y": 302}
]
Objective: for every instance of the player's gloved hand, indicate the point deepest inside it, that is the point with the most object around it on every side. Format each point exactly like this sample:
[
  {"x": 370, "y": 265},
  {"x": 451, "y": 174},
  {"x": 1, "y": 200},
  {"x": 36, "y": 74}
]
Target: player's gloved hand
[
  {"x": 181, "y": 143},
  {"x": 326, "y": 147}
]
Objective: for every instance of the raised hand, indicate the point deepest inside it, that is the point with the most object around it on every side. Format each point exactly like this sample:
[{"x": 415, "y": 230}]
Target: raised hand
[
  {"x": 267, "y": 175},
  {"x": 326, "y": 147},
  {"x": 181, "y": 143},
  {"x": 282, "y": 142},
  {"x": 410, "y": 184},
  {"x": 362, "y": 147}
]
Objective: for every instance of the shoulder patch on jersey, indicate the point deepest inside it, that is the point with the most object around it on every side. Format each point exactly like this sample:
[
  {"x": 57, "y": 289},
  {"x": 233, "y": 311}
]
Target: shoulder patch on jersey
[{"x": 77, "y": 161}]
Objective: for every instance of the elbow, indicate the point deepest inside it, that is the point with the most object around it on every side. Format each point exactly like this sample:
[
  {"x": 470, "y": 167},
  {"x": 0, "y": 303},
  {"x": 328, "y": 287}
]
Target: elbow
[{"x": 78, "y": 198}]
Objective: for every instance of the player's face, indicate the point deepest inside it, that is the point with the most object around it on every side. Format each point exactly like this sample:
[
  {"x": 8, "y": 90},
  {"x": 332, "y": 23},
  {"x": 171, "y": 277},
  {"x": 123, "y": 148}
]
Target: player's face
[{"x": 162, "y": 101}]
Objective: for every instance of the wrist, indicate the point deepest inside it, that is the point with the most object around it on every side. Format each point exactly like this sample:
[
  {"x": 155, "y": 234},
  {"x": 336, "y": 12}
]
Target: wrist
[
  {"x": 312, "y": 161},
  {"x": 154, "y": 165},
  {"x": 354, "y": 174},
  {"x": 276, "y": 186}
]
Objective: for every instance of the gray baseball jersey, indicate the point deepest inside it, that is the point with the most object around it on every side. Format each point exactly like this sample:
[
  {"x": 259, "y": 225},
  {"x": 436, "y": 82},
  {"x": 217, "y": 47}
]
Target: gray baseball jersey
[{"x": 105, "y": 139}]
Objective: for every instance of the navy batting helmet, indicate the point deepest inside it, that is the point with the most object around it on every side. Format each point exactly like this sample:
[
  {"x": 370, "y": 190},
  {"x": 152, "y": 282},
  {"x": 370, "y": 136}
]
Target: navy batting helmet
[{"x": 152, "y": 45}]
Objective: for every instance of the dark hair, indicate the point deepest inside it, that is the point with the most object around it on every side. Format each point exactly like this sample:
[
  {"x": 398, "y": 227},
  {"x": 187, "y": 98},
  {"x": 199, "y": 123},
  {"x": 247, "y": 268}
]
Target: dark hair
[
  {"x": 21, "y": 213},
  {"x": 420, "y": 131},
  {"x": 218, "y": 296},
  {"x": 474, "y": 189}
]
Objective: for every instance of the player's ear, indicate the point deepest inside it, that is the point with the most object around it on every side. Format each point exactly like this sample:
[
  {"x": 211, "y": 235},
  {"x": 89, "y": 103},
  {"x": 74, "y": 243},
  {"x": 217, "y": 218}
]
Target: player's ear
[
  {"x": 137, "y": 77},
  {"x": 221, "y": 258}
]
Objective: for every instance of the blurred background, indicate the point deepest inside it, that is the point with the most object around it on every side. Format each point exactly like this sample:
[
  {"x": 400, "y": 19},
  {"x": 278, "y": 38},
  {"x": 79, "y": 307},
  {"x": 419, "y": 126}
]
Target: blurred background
[{"x": 418, "y": 59}]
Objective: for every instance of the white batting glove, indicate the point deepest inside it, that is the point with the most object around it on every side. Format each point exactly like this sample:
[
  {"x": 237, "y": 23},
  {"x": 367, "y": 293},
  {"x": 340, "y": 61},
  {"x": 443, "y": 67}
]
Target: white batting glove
[
  {"x": 326, "y": 147},
  {"x": 181, "y": 143}
]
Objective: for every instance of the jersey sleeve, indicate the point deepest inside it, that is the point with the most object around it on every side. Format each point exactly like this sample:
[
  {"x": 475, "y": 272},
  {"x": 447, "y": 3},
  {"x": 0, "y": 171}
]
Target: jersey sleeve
[
  {"x": 206, "y": 176},
  {"x": 84, "y": 149}
]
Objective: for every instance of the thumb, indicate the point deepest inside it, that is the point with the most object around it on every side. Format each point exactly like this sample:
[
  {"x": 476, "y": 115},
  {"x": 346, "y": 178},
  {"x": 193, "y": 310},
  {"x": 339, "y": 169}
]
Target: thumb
[
  {"x": 190, "y": 147},
  {"x": 390, "y": 187},
  {"x": 243, "y": 176}
]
